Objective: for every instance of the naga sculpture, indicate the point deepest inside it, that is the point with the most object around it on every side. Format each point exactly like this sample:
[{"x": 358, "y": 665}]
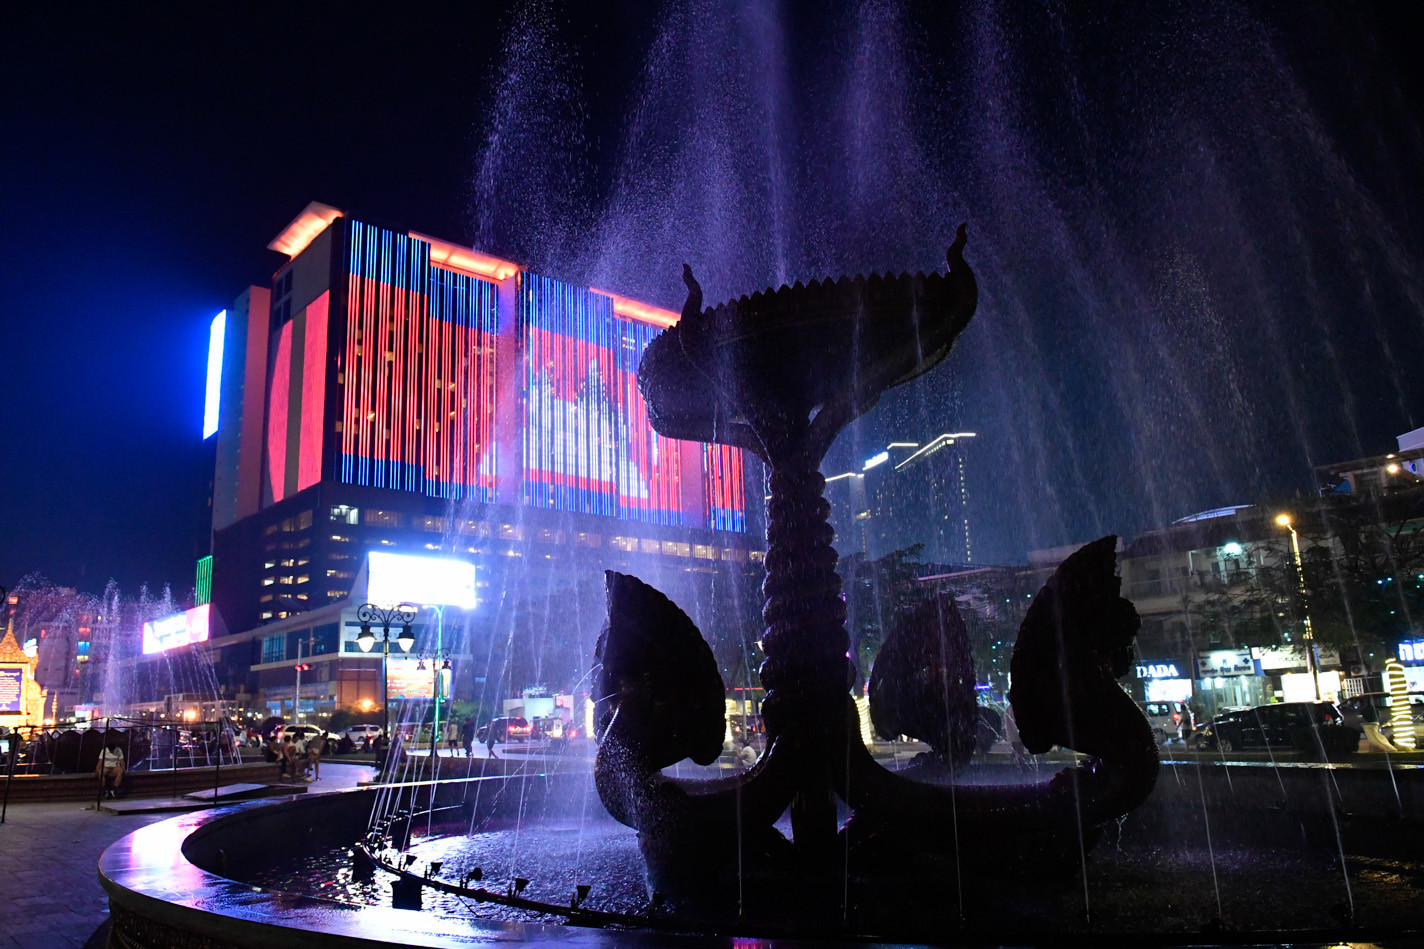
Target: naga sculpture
[{"x": 780, "y": 374}]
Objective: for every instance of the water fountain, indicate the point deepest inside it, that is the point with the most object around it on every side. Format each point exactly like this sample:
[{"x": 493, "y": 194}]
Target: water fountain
[
  {"x": 1117, "y": 242},
  {"x": 780, "y": 374}
]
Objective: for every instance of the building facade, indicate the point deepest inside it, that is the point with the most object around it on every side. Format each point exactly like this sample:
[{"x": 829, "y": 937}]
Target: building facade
[
  {"x": 909, "y": 493},
  {"x": 390, "y": 391}
]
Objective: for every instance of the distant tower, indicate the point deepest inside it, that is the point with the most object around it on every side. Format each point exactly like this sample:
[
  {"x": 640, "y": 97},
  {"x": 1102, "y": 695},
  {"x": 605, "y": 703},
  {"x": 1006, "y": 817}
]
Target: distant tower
[{"x": 918, "y": 494}]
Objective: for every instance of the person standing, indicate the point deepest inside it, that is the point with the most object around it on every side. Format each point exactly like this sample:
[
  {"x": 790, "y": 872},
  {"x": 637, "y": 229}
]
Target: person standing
[
  {"x": 489, "y": 741},
  {"x": 467, "y": 736}
]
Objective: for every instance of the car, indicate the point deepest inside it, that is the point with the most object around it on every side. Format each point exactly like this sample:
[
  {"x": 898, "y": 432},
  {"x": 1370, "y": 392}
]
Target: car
[
  {"x": 1371, "y": 712},
  {"x": 505, "y": 730},
  {"x": 1307, "y": 727},
  {"x": 1168, "y": 720},
  {"x": 359, "y": 733},
  {"x": 305, "y": 733}
]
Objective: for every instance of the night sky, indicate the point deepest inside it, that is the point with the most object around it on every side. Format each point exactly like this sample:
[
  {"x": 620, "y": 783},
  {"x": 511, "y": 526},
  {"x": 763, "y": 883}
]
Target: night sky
[{"x": 151, "y": 152}]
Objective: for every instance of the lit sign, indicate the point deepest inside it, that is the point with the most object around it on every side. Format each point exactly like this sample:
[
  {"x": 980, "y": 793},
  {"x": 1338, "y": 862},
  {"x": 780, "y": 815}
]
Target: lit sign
[
  {"x": 32, "y": 647},
  {"x": 407, "y": 681},
  {"x": 1168, "y": 690},
  {"x": 874, "y": 460},
  {"x": 1412, "y": 651},
  {"x": 1158, "y": 670},
  {"x": 180, "y": 629},
  {"x": 12, "y": 689},
  {"x": 1225, "y": 662},
  {"x": 424, "y": 581},
  {"x": 215, "y": 355}
]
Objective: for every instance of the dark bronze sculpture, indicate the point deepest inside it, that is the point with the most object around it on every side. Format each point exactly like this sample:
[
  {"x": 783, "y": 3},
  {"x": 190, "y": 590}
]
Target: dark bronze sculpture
[{"x": 780, "y": 374}]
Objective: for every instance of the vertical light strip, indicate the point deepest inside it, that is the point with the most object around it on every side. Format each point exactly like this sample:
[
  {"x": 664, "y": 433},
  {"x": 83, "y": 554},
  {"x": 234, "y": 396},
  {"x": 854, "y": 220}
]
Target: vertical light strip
[
  {"x": 313, "y": 392},
  {"x": 212, "y": 395}
]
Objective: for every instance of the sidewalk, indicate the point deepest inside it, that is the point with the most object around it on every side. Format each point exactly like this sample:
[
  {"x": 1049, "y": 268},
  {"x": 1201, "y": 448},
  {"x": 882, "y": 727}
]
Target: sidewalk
[{"x": 49, "y": 855}]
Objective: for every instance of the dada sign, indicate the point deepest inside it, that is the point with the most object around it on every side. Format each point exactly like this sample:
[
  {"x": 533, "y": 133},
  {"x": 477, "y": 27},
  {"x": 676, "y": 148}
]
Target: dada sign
[{"x": 1158, "y": 670}]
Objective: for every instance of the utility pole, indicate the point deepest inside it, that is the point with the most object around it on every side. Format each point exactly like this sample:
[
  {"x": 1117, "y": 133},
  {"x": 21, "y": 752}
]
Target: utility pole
[{"x": 297, "y": 695}]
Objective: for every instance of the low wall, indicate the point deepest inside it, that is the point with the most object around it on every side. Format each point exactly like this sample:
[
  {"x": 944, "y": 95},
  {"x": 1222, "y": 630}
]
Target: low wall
[{"x": 85, "y": 787}]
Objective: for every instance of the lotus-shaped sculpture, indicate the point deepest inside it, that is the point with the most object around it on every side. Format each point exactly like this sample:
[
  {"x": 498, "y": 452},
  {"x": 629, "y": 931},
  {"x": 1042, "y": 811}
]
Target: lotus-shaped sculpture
[{"x": 787, "y": 369}]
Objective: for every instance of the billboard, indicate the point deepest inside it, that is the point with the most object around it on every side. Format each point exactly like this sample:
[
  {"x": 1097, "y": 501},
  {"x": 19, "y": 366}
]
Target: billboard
[
  {"x": 588, "y": 445},
  {"x": 180, "y": 629},
  {"x": 12, "y": 689},
  {"x": 406, "y": 680},
  {"x": 418, "y": 380},
  {"x": 420, "y": 581}
]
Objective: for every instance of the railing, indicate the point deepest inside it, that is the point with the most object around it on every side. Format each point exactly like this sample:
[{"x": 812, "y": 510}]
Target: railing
[{"x": 148, "y": 747}]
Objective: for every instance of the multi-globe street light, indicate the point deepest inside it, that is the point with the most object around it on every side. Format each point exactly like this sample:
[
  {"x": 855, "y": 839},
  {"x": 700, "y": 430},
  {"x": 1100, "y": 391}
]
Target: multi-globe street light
[
  {"x": 370, "y": 613},
  {"x": 1311, "y": 659}
]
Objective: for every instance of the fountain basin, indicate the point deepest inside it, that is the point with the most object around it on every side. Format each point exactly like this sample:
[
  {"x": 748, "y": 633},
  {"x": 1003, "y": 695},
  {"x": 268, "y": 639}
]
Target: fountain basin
[{"x": 1272, "y": 842}]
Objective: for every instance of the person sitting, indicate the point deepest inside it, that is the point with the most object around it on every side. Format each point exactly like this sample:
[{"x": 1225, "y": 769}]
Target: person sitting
[
  {"x": 110, "y": 768},
  {"x": 345, "y": 746}
]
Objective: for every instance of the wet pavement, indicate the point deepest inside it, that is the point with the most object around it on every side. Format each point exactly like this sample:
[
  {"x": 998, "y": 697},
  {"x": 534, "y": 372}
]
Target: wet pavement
[{"x": 49, "y": 852}]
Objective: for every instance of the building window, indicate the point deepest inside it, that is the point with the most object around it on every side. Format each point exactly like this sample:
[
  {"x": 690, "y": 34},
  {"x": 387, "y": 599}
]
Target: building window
[
  {"x": 274, "y": 648},
  {"x": 650, "y": 546},
  {"x": 624, "y": 543},
  {"x": 268, "y": 581},
  {"x": 373, "y": 518},
  {"x": 436, "y": 524},
  {"x": 675, "y": 548},
  {"x": 341, "y": 538},
  {"x": 267, "y": 615},
  {"x": 266, "y": 598},
  {"x": 287, "y": 580},
  {"x": 271, "y": 529},
  {"x": 551, "y": 536},
  {"x": 587, "y": 540},
  {"x": 705, "y": 552},
  {"x": 733, "y": 555},
  {"x": 303, "y": 578},
  {"x": 339, "y": 574},
  {"x": 304, "y": 520},
  {"x": 511, "y": 532},
  {"x": 346, "y": 514},
  {"x": 476, "y": 528}
]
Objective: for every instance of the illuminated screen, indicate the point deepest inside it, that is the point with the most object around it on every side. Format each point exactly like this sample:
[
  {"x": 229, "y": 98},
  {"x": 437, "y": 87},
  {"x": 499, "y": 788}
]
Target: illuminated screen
[
  {"x": 405, "y": 680},
  {"x": 180, "y": 629},
  {"x": 1168, "y": 690},
  {"x": 12, "y": 689},
  {"x": 588, "y": 446},
  {"x": 420, "y": 581},
  {"x": 295, "y": 401},
  {"x": 215, "y": 355},
  {"x": 419, "y": 369}
]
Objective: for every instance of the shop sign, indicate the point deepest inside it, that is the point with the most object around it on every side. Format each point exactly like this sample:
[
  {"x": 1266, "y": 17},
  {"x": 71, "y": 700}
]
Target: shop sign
[
  {"x": 1412, "y": 651},
  {"x": 1158, "y": 670},
  {"x": 1225, "y": 662}
]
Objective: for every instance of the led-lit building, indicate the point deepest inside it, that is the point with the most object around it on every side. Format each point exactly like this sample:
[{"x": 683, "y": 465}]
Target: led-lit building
[
  {"x": 909, "y": 493},
  {"x": 392, "y": 391}
]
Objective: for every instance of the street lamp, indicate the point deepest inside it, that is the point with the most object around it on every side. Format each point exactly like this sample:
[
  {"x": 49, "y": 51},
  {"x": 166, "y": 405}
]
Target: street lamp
[
  {"x": 369, "y": 613},
  {"x": 1310, "y": 658}
]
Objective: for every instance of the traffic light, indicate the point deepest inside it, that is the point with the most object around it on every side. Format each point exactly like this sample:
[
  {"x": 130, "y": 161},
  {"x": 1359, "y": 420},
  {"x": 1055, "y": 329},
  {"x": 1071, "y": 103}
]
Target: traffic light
[{"x": 303, "y": 666}]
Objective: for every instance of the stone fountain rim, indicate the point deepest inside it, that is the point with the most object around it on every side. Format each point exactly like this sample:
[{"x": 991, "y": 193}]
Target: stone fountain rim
[{"x": 147, "y": 875}]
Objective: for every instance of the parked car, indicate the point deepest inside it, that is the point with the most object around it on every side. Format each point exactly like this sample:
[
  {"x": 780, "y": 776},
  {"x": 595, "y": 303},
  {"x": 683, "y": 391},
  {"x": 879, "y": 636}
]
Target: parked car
[
  {"x": 359, "y": 733},
  {"x": 305, "y": 732},
  {"x": 1307, "y": 727},
  {"x": 505, "y": 730},
  {"x": 1373, "y": 710},
  {"x": 1169, "y": 720}
]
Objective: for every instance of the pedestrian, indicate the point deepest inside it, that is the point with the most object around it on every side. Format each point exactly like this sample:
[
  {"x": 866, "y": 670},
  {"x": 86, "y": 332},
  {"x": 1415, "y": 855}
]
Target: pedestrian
[
  {"x": 110, "y": 768},
  {"x": 489, "y": 741},
  {"x": 467, "y": 736},
  {"x": 314, "y": 749}
]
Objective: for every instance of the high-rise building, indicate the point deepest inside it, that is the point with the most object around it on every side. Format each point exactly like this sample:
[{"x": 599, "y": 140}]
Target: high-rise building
[
  {"x": 395, "y": 392},
  {"x": 909, "y": 493}
]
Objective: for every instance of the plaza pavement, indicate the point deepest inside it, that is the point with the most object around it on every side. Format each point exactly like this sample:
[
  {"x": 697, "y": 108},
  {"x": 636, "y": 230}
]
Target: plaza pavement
[{"x": 50, "y": 897}]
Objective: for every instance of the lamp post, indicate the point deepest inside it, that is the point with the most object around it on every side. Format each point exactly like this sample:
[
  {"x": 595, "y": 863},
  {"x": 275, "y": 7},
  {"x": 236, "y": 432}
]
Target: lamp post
[
  {"x": 369, "y": 613},
  {"x": 1310, "y": 658}
]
